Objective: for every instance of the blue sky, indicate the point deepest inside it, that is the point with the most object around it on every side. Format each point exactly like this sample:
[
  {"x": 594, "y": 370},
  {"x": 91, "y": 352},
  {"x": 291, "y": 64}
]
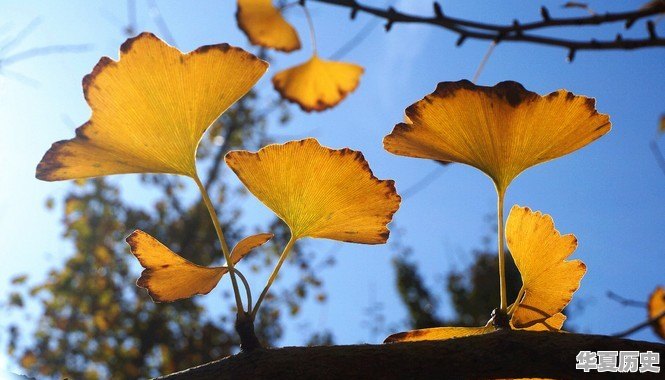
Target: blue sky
[{"x": 610, "y": 194}]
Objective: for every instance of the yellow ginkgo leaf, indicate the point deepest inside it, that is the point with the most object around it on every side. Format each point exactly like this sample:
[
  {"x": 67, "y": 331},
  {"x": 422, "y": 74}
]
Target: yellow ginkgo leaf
[
  {"x": 656, "y": 308},
  {"x": 553, "y": 323},
  {"x": 150, "y": 109},
  {"x": 265, "y": 26},
  {"x": 501, "y": 130},
  {"x": 317, "y": 84},
  {"x": 169, "y": 277},
  {"x": 548, "y": 280},
  {"x": 319, "y": 192},
  {"x": 540, "y": 253},
  {"x": 438, "y": 333}
]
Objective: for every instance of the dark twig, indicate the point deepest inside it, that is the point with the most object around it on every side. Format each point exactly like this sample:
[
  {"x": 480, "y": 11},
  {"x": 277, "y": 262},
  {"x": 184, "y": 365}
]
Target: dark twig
[
  {"x": 625, "y": 301},
  {"x": 422, "y": 183},
  {"x": 359, "y": 37},
  {"x": 13, "y": 58},
  {"x": 516, "y": 31},
  {"x": 130, "y": 28},
  {"x": 21, "y": 35},
  {"x": 41, "y": 51},
  {"x": 640, "y": 326},
  {"x": 163, "y": 27},
  {"x": 657, "y": 154},
  {"x": 20, "y": 77}
]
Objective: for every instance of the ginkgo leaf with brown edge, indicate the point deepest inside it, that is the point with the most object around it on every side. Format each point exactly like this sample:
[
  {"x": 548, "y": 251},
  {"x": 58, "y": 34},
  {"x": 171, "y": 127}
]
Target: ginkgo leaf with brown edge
[
  {"x": 319, "y": 192},
  {"x": 656, "y": 308},
  {"x": 553, "y": 323},
  {"x": 439, "y": 333},
  {"x": 150, "y": 109},
  {"x": 169, "y": 277},
  {"x": 500, "y": 130},
  {"x": 548, "y": 280},
  {"x": 318, "y": 84},
  {"x": 265, "y": 26},
  {"x": 540, "y": 252}
]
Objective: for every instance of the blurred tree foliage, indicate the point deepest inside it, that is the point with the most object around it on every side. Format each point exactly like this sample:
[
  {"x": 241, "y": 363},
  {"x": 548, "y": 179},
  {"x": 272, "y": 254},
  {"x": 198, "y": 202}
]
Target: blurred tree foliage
[
  {"x": 93, "y": 321},
  {"x": 473, "y": 290}
]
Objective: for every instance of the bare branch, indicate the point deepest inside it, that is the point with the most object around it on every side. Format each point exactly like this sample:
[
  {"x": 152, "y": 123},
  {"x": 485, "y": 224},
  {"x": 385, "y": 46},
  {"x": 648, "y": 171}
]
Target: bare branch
[
  {"x": 640, "y": 326},
  {"x": 516, "y": 31},
  {"x": 657, "y": 154},
  {"x": 163, "y": 27},
  {"x": 21, "y": 35},
  {"x": 41, "y": 51},
  {"x": 625, "y": 301}
]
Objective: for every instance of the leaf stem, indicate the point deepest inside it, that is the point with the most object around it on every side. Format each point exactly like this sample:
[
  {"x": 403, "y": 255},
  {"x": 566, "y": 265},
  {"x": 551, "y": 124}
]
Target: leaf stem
[
  {"x": 483, "y": 62},
  {"x": 222, "y": 241},
  {"x": 517, "y": 301},
  {"x": 501, "y": 241},
  {"x": 285, "y": 254},
  {"x": 310, "y": 24},
  {"x": 248, "y": 290}
]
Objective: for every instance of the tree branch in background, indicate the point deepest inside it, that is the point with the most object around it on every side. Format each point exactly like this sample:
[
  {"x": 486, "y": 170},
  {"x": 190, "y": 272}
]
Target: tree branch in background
[
  {"x": 657, "y": 154},
  {"x": 625, "y": 301},
  {"x": 502, "y": 354},
  {"x": 7, "y": 60},
  {"x": 517, "y": 32},
  {"x": 640, "y": 326}
]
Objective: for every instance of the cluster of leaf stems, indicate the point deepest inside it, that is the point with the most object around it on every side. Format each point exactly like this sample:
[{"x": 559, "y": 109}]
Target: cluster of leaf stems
[{"x": 250, "y": 311}]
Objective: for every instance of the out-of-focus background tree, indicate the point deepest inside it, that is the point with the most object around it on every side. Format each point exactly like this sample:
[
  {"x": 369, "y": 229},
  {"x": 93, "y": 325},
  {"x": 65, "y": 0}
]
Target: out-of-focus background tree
[
  {"x": 71, "y": 308},
  {"x": 95, "y": 323}
]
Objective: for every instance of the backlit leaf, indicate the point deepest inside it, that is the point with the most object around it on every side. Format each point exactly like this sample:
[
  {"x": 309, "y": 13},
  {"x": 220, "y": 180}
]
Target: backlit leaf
[
  {"x": 319, "y": 192},
  {"x": 169, "y": 277},
  {"x": 318, "y": 84},
  {"x": 540, "y": 253},
  {"x": 553, "y": 323},
  {"x": 150, "y": 109},
  {"x": 656, "y": 308},
  {"x": 438, "y": 333},
  {"x": 501, "y": 130},
  {"x": 265, "y": 26}
]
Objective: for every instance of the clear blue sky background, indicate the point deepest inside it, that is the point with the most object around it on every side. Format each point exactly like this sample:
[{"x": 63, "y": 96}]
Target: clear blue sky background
[{"x": 610, "y": 194}]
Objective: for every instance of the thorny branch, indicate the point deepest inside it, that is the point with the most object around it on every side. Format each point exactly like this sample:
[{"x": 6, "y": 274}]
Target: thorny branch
[{"x": 518, "y": 32}]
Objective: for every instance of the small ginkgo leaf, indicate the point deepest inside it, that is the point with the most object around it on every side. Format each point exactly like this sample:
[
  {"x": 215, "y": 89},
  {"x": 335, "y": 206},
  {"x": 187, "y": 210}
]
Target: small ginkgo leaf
[
  {"x": 319, "y": 192},
  {"x": 501, "y": 130},
  {"x": 438, "y": 333},
  {"x": 265, "y": 26},
  {"x": 169, "y": 277},
  {"x": 540, "y": 253},
  {"x": 317, "y": 84},
  {"x": 656, "y": 308},
  {"x": 150, "y": 109},
  {"x": 248, "y": 244}
]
